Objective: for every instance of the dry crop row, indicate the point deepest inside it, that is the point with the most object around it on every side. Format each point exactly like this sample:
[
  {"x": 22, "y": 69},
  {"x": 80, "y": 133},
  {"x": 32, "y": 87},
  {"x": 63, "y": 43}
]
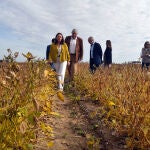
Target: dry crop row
[
  {"x": 124, "y": 95},
  {"x": 27, "y": 90}
]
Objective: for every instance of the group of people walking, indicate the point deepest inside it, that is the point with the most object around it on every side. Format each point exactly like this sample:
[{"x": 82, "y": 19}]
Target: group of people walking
[
  {"x": 66, "y": 53},
  {"x": 96, "y": 54}
]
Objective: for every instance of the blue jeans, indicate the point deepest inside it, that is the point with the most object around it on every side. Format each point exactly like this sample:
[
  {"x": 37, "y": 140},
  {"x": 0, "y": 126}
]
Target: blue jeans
[{"x": 52, "y": 66}]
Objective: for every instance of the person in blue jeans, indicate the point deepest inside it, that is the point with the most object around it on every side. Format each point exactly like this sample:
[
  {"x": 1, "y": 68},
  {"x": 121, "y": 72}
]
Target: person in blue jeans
[{"x": 47, "y": 54}]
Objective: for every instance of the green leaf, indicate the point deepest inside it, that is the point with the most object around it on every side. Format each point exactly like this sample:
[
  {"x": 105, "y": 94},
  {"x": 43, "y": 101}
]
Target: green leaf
[{"x": 29, "y": 146}]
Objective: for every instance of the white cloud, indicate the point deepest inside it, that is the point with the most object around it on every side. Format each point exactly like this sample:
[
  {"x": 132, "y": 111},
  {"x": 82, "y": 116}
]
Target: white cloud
[{"x": 30, "y": 25}]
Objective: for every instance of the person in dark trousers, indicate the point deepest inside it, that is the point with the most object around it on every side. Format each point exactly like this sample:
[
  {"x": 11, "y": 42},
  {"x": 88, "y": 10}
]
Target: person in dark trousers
[
  {"x": 108, "y": 54},
  {"x": 95, "y": 54},
  {"x": 145, "y": 55},
  {"x": 75, "y": 46},
  {"x": 47, "y": 54}
]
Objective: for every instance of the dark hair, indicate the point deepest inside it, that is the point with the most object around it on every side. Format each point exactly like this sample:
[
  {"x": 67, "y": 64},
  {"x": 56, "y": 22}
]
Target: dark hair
[
  {"x": 108, "y": 43},
  {"x": 53, "y": 40},
  {"x": 62, "y": 41},
  {"x": 146, "y": 44}
]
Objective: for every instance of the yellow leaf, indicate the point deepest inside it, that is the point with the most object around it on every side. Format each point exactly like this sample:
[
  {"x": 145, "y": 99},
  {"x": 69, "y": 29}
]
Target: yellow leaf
[
  {"x": 145, "y": 130},
  {"x": 60, "y": 96},
  {"x": 49, "y": 129},
  {"x": 50, "y": 144},
  {"x": 20, "y": 119},
  {"x": 114, "y": 121},
  {"x": 43, "y": 113},
  {"x": 46, "y": 72},
  {"x": 111, "y": 103},
  {"x": 43, "y": 127},
  {"x": 48, "y": 104},
  {"x": 90, "y": 142},
  {"x": 55, "y": 114}
]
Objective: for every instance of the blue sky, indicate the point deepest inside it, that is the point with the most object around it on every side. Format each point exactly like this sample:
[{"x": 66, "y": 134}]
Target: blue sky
[{"x": 30, "y": 25}]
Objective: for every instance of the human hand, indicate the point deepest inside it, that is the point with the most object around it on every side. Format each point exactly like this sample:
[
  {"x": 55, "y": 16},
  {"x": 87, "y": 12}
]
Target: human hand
[
  {"x": 68, "y": 63},
  {"x": 49, "y": 62}
]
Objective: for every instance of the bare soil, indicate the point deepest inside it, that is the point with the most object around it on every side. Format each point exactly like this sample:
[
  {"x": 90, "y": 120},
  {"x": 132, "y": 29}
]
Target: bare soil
[
  {"x": 76, "y": 128},
  {"x": 68, "y": 134}
]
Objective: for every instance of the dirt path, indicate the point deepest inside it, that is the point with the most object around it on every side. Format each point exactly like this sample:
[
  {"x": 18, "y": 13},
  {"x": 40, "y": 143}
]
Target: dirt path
[
  {"x": 66, "y": 127},
  {"x": 75, "y": 128}
]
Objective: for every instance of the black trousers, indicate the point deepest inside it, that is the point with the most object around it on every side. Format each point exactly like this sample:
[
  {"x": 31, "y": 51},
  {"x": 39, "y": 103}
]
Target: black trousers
[
  {"x": 145, "y": 64},
  {"x": 93, "y": 66}
]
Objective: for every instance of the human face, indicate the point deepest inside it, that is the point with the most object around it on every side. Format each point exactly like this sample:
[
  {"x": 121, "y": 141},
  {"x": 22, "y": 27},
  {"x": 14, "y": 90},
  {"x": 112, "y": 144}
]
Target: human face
[
  {"x": 90, "y": 40},
  {"x": 148, "y": 45},
  {"x": 59, "y": 38},
  {"x": 74, "y": 35}
]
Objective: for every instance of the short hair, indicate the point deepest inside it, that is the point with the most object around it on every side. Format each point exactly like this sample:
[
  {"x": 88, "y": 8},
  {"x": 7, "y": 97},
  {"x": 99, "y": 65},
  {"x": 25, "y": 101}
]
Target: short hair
[
  {"x": 91, "y": 38},
  {"x": 74, "y": 31},
  {"x": 146, "y": 44},
  {"x": 53, "y": 40}
]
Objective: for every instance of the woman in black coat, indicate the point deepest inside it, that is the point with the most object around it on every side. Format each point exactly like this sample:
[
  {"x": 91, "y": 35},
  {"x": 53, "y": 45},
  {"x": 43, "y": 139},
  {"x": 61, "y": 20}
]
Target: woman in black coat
[{"x": 108, "y": 54}]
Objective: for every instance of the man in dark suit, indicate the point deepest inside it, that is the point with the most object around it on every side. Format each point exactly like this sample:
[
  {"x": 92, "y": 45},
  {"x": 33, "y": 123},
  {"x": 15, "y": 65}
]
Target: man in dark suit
[
  {"x": 47, "y": 54},
  {"x": 75, "y": 46},
  {"x": 95, "y": 54}
]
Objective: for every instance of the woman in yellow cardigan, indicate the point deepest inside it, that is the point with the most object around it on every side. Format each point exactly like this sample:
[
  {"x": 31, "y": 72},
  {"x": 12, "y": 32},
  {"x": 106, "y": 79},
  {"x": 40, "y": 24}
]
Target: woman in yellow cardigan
[{"x": 59, "y": 55}]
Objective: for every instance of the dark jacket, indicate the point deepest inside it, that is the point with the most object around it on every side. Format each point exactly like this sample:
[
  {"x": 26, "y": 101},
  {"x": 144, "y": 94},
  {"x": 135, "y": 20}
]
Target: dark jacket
[
  {"x": 108, "y": 56},
  {"x": 47, "y": 56},
  {"x": 145, "y": 55},
  {"x": 97, "y": 54},
  {"x": 47, "y": 52}
]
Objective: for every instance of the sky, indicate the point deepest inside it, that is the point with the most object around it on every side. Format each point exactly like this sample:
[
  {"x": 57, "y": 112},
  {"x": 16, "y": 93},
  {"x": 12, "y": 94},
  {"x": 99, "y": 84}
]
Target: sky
[{"x": 31, "y": 24}]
